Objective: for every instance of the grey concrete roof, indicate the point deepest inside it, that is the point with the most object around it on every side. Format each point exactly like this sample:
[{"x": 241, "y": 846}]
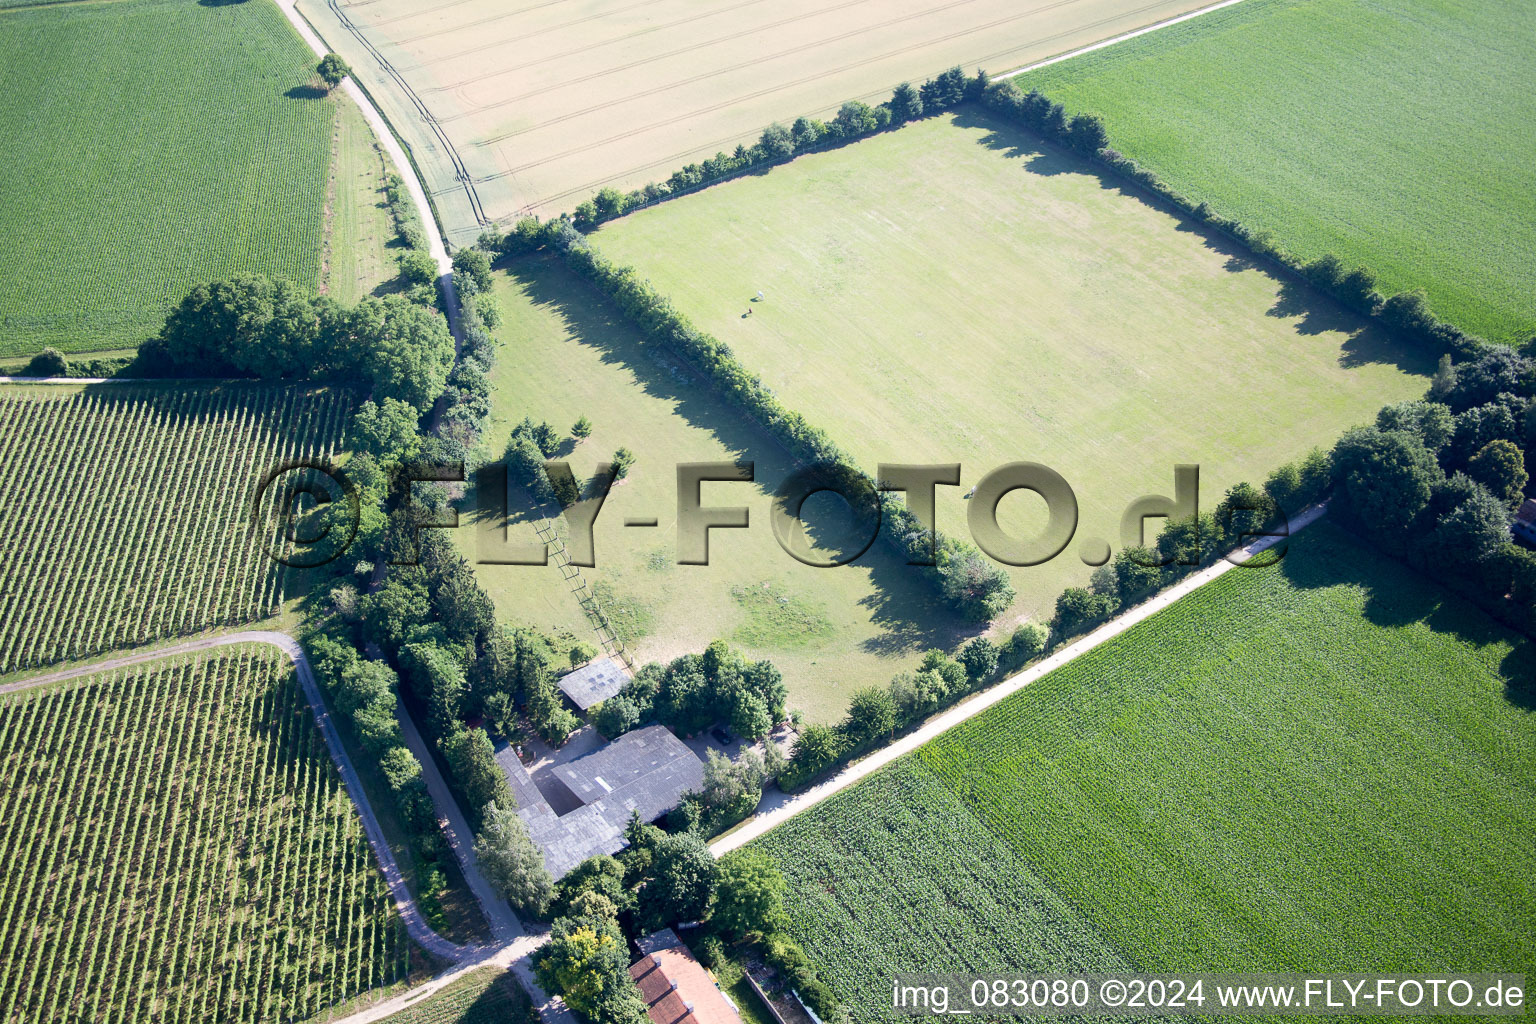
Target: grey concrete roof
[
  {"x": 647, "y": 771},
  {"x": 595, "y": 681}
]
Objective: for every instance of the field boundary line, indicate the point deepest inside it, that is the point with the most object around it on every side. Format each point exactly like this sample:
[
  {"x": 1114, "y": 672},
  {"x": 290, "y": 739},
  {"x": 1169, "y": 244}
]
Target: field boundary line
[
  {"x": 760, "y": 823},
  {"x": 1103, "y": 43}
]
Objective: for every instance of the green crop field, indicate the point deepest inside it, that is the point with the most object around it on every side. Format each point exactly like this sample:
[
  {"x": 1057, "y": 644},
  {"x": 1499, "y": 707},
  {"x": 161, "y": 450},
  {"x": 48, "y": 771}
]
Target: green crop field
[
  {"x": 954, "y": 292},
  {"x": 566, "y": 353},
  {"x": 1395, "y": 133},
  {"x": 150, "y": 145},
  {"x": 1325, "y": 766},
  {"x": 126, "y": 515},
  {"x": 487, "y": 995},
  {"x": 175, "y": 844}
]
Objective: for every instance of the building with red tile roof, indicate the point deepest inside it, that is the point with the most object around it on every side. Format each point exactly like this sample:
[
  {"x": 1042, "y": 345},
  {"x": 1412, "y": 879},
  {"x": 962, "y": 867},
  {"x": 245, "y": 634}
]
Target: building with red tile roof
[{"x": 676, "y": 987}]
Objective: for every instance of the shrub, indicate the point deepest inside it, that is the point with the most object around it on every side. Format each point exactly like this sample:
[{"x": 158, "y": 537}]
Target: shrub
[{"x": 50, "y": 362}]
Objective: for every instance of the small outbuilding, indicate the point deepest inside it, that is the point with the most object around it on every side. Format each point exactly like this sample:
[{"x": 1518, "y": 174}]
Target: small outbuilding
[
  {"x": 1523, "y": 528},
  {"x": 594, "y": 682},
  {"x": 676, "y": 987}
]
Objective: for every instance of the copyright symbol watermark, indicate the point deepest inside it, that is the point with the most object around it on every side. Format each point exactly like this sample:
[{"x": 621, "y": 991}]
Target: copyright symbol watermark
[{"x": 307, "y": 512}]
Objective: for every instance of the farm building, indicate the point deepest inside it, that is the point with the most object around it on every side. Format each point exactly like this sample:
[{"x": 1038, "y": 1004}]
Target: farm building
[
  {"x": 1524, "y": 526},
  {"x": 594, "y": 682},
  {"x": 579, "y": 809},
  {"x": 676, "y": 987}
]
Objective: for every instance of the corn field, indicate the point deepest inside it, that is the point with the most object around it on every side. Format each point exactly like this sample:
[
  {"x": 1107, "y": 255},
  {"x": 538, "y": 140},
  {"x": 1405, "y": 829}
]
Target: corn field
[
  {"x": 1326, "y": 763},
  {"x": 151, "y": 146},
  {"x": 176, "y": 845},
  {"x": 125, "y": 512}
]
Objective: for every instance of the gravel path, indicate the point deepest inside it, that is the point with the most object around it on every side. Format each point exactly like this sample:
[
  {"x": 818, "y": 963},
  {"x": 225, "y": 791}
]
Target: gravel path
[
  {"x": 779, "y": 807},
  {"x": 1117, "y": 39}
]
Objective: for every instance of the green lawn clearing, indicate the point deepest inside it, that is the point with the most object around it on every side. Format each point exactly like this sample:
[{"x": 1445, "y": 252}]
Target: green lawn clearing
[
  {"x": 565, "y": 354},
  {"x": 954, "y": 292},
  {"x": 1395, "y": 133},
  {"x": 1327, "y": 766}
]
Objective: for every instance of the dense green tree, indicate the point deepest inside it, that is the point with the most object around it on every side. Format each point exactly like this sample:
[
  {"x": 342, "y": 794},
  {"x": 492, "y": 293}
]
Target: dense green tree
[
  {"x": 511, "y": 863},
  {"x": 1497, "y": 371},
  {"x": 871, "y": 716},
  {"x": 979, "y": 589},
  {"x": 777, "y": 143},
  {"x": 332, "y": 69},
  {"x": 436, "y": 677},
  {"x": 362, "y": 683},
  {"x": 906, "y": 104},
  {"x": 581, "y": 429},
  {"x": 472, "y": 763},
  {"x": 854, "y": 119},
  {"x": 1385, "y": 475},
  {"x": 1078, "y": 610},
  {"x": 749, "y": 896},
  {"x": 410, "y": 349},
  {"x": 1086, "y": 134},
  {"x": 918, "y": 694},
  {"x": 1431, "y": 421},
  {"x": 475, "y": 264},
  {"x": 50, "y": 362},
  {"x": 387, "y": 429},
  {"x": 400, "y": 604},
  {"x": 616, "y": 716},
  {"x": 1474, "y": 531},
  {"x": 680, "y": 885},
  {"x": 979, "y": 657},
  {"x": 1500, "y": 466},
  {"x": 817, "y": 748},
  {"x": 1478, "y": 427},
  {"x": 1027, "y": 642},
  {"x": 944, "y": 91},
  {"x": 609, "y": 202}
]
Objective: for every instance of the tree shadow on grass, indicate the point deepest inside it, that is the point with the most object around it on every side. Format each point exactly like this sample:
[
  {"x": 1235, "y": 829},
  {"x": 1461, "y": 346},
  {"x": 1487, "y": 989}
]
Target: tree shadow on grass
[
  {"x": 1396, "y": 595},
  {"x": 902, "y": 604},
  {"x": 1314, "y": 312},
  {"x": 306, "y": 92}
]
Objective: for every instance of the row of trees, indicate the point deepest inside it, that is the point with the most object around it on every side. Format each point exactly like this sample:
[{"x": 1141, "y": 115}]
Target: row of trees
[
  {"x": 876, "y": 714},
  {"x": 256, "y": 326},
  {"x": 854, "y": 120},
  {"x": 970, "y": 583},
  {"x": 659, "y": 880}
]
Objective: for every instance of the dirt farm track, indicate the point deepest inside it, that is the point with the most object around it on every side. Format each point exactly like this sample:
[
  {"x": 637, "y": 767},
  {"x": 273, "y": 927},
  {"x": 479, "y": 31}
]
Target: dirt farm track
[{"x": 531, "y": 105}]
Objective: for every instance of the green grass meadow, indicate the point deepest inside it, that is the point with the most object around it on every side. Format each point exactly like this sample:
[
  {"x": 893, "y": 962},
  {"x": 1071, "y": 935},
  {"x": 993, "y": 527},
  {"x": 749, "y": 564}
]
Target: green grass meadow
[
  {"x": 1395, "y": 133},
  {"x": 1326, "y": 766},
  {"x": 565, "y": 353},
  {"x": 955, "y": 292},
  {"x": 151, "y": 144}
]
